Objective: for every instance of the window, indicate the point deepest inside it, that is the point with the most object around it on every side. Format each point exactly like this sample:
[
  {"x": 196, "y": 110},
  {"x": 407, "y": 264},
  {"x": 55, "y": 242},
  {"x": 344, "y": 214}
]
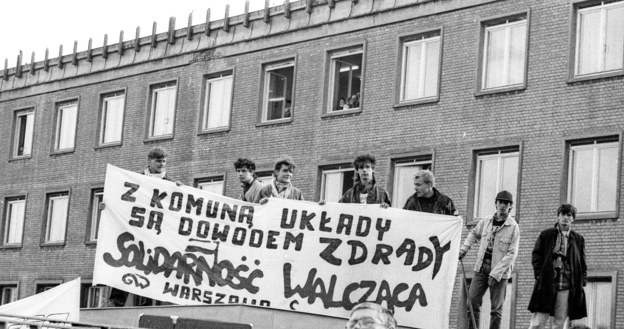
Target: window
[
  {"x": 495, "y": 171},
  {"x": 66, "y": 117},
  {"x": 504, "y": 53},
  {"x": 420, "y": 67},
  {"x": 14, "y": 221},
  {"x": 599, "y": 39},
  {"x": 278, "y": 90},
  {"x": 264, "y": 177},
  {"x": 23, "y": 133},
  {"x": 217, "y": 102},
  {"x": 112, "y": 118},
  {"x": 56, "y": 218},
  {"x": 162, "y": 110},
  {"x": 97, "y": 197},
  {"x": 41, "y": 287},
  {"x": 8, "y": 293},
  {"x": 336, "y": 181},
  {"x": 403, "y": 181},
  {"x": 212, "y": 185},
  {"x": 600, "y": 299},
  {"x": 94, "y": 296},
  {"x": 593, "y": 175},
  {"x": 345, "y": 79}
]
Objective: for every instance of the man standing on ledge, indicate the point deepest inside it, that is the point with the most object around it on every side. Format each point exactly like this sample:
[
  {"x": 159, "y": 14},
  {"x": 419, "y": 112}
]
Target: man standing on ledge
[
  {"x": 365, "y": 190},
  {"x": 246, "y": 170},
  {"x": 498, "y": 237},
  {"x": 281, "y": 186},
  {"x": 560, "y": 273},
  {"x": 427, "y": 198}
]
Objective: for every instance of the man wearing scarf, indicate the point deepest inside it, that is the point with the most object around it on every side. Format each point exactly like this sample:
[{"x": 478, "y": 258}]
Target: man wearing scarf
[
  {"x": 560, "y": 273},
  {"x": 365, "y": 188},
  {"x": 281, "y": 186},
  {"x": 246, "y": 170}
]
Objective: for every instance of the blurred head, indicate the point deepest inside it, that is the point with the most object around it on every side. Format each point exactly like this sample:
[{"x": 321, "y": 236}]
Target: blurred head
[
  {"x": 423, "y": 183},
  {"x": 364, "y": 166},
  {"x": 566, "y": 213},
  {"x": 370, "y": 315},
  {"x": 283, "y": 170},
  {"x": 245, "y": 169},
  {"x": 156, "y": 160}
]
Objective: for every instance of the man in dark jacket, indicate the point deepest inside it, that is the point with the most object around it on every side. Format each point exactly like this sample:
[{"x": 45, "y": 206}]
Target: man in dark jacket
[
  {"x": 427, "y": 198},
  {"x": 365, "y": 188},
  {"x": 560, "y": 273}
]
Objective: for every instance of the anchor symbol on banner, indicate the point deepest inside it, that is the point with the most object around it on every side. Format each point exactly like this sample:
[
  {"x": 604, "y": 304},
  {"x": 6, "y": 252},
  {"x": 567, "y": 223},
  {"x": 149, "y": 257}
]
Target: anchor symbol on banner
[{"x": 136, "y": 279}]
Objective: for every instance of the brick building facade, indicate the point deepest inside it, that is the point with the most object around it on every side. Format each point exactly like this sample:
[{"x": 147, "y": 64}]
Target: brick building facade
[{"x": 489, "y": 94}]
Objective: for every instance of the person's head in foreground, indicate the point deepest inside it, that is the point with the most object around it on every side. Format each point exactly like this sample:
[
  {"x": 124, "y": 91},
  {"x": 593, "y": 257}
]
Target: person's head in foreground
[{"x": 370, "y": 315}]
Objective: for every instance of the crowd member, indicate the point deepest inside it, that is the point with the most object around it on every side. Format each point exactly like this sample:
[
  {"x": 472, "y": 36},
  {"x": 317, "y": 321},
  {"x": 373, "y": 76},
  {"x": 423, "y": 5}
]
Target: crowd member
[
  {"x": 342, "y": 105},
  {"x": 560, "y": 273},
  {"x": 365, "y": 188},
  {"x": 246, "y": 170},
  {"x": 498, "y": 237},
  {"x": 427, "y": 198},
  {"x": 281, "y": 186},
  {"x": 369, "y": 315}
]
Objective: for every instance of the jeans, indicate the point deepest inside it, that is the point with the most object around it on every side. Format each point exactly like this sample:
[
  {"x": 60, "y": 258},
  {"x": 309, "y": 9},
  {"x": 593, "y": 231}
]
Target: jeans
[
  {"x": 538, "y": 319},
  {"x": 497, "y": 296}
]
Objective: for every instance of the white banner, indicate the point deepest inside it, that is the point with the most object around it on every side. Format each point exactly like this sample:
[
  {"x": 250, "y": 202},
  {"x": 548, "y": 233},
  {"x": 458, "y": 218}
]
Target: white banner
[
  {"x": 59, "y": 303},
  {"x": 187, "y": 246}
]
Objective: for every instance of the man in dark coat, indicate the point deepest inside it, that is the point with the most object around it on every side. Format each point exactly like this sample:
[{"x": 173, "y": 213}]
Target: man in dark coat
[
  {"x": 365, "y": 190},
  {"x": 427, "y": 198},
  {"x": 560, "y": 273}
]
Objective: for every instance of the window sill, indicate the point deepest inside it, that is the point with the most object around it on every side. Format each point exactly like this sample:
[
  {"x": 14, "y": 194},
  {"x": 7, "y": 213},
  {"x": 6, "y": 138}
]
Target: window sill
[
  {"x": 341, "y": 112},
  {"x": 24, "y": 157},
  {"x": 596, "y": 215},
  {"x": 52, "y": 245},
  {"x": 104, "y": 146},
  {"x": 157, "y": 139},
  {"x": 595, "y": 76},
  {"x": 500, "y": 90},
  {"x": 274, "y": 122},
  {"x": 11, "y": 246},
  {"x": 91, "y": 243},
  {"x": 404, "y": 104},
  {"x": 61, "y": 152},
  {"x": 213, "y": 131}
]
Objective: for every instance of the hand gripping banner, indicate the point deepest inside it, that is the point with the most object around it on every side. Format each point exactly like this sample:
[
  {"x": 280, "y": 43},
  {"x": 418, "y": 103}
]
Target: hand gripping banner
[{"x": 189, "y": 247}]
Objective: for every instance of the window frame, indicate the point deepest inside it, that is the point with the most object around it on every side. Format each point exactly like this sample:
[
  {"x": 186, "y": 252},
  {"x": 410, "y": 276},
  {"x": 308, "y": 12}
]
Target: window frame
[
  {"x": 575, "y": 6},
  {"x": 102, "y": 97},
  {"x": 260, "y": 120},
  {"x": 412, "y": 37},
  {"x": 46, "y": 218},
  {"x": 565, "y": 175},
  {"x": 24, "y": 111},
  {"x": 151, "y": 107},
  {"x": 400, "y": 160},
  {"x": 340, "y": 166},
  {"x": 612, "y": 276},
  {"x": 56, "y": 128},
  {"x": 493, "y": 21},
  {"x": 510, "y": 146},
  {"x": 3, "y": 232},
  {"x": 85, "y": 287},
  {"x": 45, "y": 283},
  {"x": 211, "y": 178},
  {"x": 327, "y": 106},
  {"x": 203, "y": 111},
  {"x": 92, "y": 208},
  {"x": 9, "y": 284}
]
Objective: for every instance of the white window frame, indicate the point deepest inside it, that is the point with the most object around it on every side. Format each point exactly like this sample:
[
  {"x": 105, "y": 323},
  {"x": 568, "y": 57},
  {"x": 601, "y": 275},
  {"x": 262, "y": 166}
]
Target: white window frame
[
  {"x": 50, "y": 220},
  {"x": 342, "y": 169},
  {"x": 6, "y": 288},
  {"x": 105, "y": 115},
  {"x": 415, "y": 162},
  {"x": 97, "y": 301},
  {"x": 507, "y": 26},
  {"x": 333, "y": 58},
  {"x": 226, "y": 109},
  {"x": 500, "y": 154},
  {"x": 265, "y": 177},
  {"x": 211, "y": 181},
  {"x": 266, "y": 92},
  {"x": 61, "y": 130},
  {"x": 154, "y": 101},
  {"x": 9, "y": 221},
  {"x": 593, "y": 278},
  {"x": 426, "y": 41},
  {"x": 97, "y": 198},
  {"x": 596, "y": 145},
  {"x": 603, "y": 8},
  {"x": 29, "y": 116}
]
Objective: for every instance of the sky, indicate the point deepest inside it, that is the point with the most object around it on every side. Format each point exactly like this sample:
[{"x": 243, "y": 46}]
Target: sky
[{"x": 34, "y": 25}]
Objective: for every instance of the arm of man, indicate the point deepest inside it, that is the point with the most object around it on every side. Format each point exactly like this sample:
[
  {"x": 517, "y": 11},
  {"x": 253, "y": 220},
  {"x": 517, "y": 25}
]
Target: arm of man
[
  {"x": 264, "y": 193},
  {"x": 451, "y": 207},
  {"x": 510, "y": 257},
  {"x": 473, "y": 237}
]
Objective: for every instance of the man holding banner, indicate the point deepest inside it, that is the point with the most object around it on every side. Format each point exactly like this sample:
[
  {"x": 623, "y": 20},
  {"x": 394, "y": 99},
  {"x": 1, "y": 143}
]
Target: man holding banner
[
  {"x": 245, "y": 169},
  {"x": 281, "y": 186},
  {"x": 498, "y": 237},
  {"x": 365, "y": 190}
]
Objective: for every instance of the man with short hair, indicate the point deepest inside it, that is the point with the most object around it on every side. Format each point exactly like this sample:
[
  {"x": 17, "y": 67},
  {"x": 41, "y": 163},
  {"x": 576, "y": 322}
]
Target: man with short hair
[
  {"x": 365, "y": 188},
  {"x": 369, "y": 315},
  {"x": 560, "y": 272},
  {"x": 427, "y": 198},
  {"x": 281, "y": 186},
  {"x": 246, "y": 170},
  {"x": 498, "y": 237}
]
